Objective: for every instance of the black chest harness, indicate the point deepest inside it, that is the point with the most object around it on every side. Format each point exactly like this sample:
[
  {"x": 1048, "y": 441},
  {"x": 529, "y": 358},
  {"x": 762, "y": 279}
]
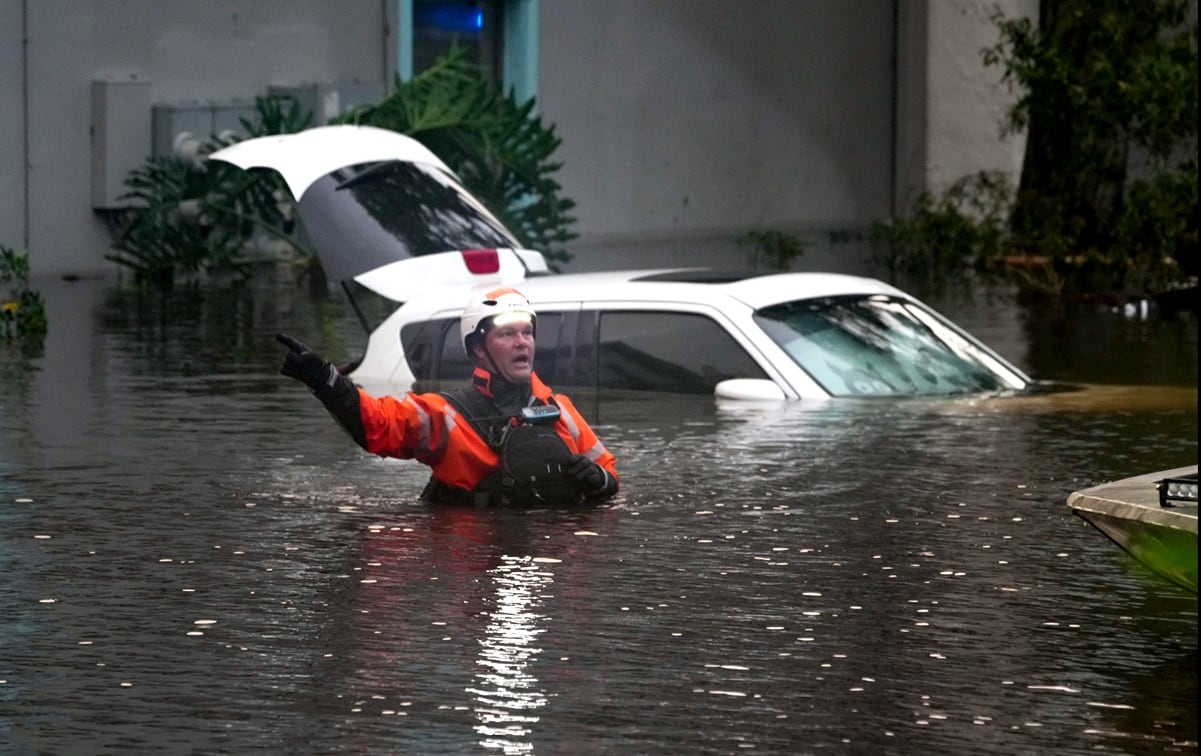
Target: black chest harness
[{"x": 532, "y": 456}]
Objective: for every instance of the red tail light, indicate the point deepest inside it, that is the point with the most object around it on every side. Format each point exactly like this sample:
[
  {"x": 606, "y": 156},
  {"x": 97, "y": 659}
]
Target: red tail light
[{"x": 481, "y": 260}]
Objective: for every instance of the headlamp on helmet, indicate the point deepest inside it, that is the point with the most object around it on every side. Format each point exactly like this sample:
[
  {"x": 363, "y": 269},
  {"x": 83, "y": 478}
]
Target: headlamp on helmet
[{"x": 493, "y": 308}]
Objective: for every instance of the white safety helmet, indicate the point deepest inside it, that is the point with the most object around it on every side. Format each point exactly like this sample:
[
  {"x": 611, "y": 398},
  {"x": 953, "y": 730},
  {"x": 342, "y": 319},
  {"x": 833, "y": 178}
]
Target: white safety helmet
[{"x": 493, "y": 308}]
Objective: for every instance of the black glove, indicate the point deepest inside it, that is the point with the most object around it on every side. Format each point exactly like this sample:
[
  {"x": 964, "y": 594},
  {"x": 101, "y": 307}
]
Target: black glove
[
  {"x": 305, "y": 365},
  {"x": 336, "y": 391},
  {"x": 590, "y": 475}
]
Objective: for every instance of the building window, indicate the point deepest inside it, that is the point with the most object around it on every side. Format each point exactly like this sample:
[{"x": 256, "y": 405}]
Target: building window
[
  {"x": 501, "y": 36},
  {"x": 474, "y": 25}
]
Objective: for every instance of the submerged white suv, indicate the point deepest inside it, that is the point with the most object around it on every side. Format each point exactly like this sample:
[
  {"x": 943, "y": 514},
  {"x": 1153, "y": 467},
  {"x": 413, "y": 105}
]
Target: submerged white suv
[{"x": 385, "y": 213}]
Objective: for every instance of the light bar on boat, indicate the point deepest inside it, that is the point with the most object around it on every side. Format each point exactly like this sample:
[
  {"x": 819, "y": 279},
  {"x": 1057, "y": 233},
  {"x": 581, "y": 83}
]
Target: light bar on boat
[
  {"x": 481, "y": 261},
  {"x": 1183, "y": 489}
]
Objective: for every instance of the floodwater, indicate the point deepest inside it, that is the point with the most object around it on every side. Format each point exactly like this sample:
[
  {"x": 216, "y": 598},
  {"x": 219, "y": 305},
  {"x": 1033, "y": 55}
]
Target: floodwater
[{"x": 196, "y": 560}]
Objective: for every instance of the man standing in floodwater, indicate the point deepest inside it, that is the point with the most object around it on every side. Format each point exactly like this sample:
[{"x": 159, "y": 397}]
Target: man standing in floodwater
[{"x": 506, "y": 439}]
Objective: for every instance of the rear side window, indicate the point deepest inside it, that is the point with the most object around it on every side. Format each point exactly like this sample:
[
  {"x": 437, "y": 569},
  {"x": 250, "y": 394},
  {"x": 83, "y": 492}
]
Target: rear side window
[
  {"x": 422, "y": 345},
  {"x": 668, "y": 351},
  {"x": 453, "y": 364}
]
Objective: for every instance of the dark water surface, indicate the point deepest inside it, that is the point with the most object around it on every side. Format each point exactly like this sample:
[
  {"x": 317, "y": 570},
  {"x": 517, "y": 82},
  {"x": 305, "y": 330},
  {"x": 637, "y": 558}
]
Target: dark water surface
[{"x": 196, "y": 560}]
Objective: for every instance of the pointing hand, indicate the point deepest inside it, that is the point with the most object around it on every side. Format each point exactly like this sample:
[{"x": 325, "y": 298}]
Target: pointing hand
[{"x": 305, "y": 365}]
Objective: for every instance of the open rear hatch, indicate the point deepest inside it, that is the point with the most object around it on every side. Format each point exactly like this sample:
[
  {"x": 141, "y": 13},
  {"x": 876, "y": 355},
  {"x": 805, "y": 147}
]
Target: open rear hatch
[{"x": 385, "y": 212}]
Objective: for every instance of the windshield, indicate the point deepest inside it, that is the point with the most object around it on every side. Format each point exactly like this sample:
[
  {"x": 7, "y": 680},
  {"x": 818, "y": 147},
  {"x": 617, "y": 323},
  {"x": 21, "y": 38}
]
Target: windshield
[
  {"x": 882, "y": 346},
  {"x": 366, "y": 216}
]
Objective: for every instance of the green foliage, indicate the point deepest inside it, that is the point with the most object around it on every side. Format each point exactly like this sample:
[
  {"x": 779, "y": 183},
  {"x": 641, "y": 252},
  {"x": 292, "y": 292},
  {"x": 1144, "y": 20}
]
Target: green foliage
[
  {"x": 1158, "y": 228},
  {"x": 498, "y": 147},
  {"x": 276, "y": 115},
  {"x": 193, "y": 216},
  {"x": 22, "y": 314},
  {"x": 948, "y": 233},
  {"x": 169, "y": 229},
  {"x": 773, "y": 248},
  {"x": 190, "y": 216},
  {"x": 1108, "y": 94},
  {"x": 1108, "y": 197},
  {"x": 1113, "y": 72}
]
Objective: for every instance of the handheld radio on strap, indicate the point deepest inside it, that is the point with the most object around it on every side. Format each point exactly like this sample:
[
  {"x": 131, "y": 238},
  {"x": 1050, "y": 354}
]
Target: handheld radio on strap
[{"x": 533, "y": 455}]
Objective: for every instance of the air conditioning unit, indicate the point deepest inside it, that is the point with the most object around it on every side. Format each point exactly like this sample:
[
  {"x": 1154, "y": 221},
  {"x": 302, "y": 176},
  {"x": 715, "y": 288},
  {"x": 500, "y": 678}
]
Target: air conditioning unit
[
  {"x": 326, "y": 101},
  {"x": 179, "y": 129}
]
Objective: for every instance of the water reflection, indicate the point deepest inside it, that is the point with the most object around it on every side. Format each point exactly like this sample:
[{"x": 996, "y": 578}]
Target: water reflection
[
  {"x": 1160, "y": 698},
  {"x": 507, "y": 691}
]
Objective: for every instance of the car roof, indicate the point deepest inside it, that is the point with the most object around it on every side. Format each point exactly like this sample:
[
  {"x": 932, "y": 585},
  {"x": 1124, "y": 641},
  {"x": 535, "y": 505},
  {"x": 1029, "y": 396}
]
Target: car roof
[{"x": 756, "y": 290}]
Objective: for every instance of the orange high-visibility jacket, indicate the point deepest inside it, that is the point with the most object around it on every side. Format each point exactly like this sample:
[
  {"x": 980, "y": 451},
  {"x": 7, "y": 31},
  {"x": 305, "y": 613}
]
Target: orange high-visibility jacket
[{"x": 428, "y": 428}]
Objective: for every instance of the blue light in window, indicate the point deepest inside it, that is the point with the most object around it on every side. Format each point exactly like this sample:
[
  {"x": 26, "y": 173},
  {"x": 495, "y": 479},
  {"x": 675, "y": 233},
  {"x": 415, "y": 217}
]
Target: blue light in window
[{"x": 451, "y": 17}]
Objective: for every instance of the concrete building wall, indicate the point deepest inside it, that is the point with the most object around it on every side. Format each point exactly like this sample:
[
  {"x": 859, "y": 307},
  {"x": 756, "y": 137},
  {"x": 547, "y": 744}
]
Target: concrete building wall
[
  {"x": 953, "y": 105},
  {"x": 688, "y": 124},
  {"x": 12, "y": 128},
  {"x": 685, "y": 123},
  {"x": 189, "y": 52}
]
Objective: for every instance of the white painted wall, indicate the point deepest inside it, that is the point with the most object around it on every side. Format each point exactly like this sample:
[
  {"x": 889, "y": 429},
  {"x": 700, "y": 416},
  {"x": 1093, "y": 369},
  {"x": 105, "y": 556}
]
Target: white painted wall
[
  {"x": 216, "y": 50},
  {"x": 12, "y": 129},
  {"x": 687, "y": 124},
  {"x": 951, "y": 105}
]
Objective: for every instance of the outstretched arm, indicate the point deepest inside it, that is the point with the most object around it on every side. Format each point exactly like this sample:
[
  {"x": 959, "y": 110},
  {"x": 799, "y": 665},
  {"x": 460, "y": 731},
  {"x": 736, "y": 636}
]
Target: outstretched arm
[{"x": 337, "y": 392}]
